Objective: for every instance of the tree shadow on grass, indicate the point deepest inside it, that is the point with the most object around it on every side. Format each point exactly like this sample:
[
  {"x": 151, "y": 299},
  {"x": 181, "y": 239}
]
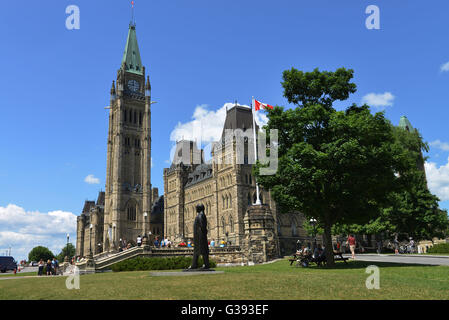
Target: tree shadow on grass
[{"x": 339, "y": 265}]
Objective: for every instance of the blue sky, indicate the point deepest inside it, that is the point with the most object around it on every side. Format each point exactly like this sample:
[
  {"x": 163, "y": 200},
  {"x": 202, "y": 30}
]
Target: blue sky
[{"x": 200, "y": 55}]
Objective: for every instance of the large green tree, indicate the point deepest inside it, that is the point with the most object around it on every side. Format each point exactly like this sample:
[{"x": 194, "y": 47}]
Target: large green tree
[
  {"x": 68, "y": 250},
  {"x": 413, "y": 211},
  {"x": 334, "y": 166},
  {"x": 40, "y": 252}
]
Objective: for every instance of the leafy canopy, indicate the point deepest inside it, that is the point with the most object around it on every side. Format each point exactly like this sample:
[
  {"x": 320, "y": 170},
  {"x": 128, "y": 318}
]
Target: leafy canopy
[
  {"x": 39, "y": 252},
  {"x": 334, "y": 166}
]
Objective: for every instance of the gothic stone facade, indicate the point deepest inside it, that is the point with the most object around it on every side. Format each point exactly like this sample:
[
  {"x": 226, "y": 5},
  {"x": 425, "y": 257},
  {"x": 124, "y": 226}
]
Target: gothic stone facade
[
  {"x": 128, "y": 194},
  {"x": 225, "y": 186}
]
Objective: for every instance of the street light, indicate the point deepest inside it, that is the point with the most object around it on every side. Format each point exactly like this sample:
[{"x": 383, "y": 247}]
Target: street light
[
  {"x": 90, "y": 238},
  {"x": 313, "y": 223},
  {"x": 67, "y": 253}
]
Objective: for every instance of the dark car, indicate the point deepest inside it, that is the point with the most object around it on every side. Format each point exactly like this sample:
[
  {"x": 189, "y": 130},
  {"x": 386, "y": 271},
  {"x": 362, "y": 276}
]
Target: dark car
[{"x": 7, "y": 263}]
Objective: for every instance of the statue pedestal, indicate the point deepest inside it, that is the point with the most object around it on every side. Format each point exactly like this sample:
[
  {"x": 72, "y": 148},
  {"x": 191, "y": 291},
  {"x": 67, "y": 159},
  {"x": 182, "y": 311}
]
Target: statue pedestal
[
  {"x": 198, "y": 270},
  {"x": 90, "y": 264}
]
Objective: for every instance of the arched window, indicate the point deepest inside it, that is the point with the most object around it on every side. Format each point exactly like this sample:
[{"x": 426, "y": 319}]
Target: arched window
[
  {"x": 249, "y": 199},
  {"x": 294, "y": 230},
  {"x": 250, "y": 179},
  {"x": 279, "y": 227},
  {"x": 131, "y": 213},
  {"x": 246, "y": 178},
  {"x": 231, "y": 223},
  {"x": 230, "y": 201},
  {"x": 223, "y": 198},
  {"x": 223, "y": 225}
]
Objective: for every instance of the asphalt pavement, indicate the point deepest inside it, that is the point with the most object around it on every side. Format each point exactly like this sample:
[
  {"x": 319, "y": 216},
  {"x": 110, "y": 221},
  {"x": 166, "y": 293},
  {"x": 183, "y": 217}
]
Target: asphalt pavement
[{"x": 404, "y": 258}]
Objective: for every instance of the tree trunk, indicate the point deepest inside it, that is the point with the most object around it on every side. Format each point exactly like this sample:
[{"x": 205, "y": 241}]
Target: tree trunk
[{"x": 328, "y": 244}]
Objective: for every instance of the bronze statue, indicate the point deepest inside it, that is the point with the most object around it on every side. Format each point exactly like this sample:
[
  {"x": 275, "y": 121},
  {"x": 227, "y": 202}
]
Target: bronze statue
[{"x": 201, "y": 245}]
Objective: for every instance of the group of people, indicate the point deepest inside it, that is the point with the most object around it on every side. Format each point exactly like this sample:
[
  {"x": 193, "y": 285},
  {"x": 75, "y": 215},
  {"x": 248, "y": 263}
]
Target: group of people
[
  {"x": 51, "y": 267},
  {"x": 306, "y": 255},
  {"x": 163, "y": 243}
]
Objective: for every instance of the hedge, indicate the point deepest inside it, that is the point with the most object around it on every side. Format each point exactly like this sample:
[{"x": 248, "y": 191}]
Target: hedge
[
  {"x": 439, "y": 248},
  {"x": 143, "y": 264}
]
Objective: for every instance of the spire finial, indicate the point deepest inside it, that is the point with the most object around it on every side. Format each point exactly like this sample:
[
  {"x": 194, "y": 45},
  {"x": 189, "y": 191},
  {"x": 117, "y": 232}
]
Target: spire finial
[{"x": 133, "y": 22}]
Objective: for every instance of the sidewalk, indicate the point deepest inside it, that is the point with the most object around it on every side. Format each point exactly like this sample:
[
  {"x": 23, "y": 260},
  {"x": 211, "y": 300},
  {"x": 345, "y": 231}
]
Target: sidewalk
[{"x": 403, "y": 255}]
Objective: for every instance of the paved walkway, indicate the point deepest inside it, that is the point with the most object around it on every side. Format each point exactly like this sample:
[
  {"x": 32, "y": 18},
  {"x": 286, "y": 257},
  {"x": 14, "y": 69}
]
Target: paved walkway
[
  {"x": 404, "y": 258},
  {"x": 26, "y": 277}
]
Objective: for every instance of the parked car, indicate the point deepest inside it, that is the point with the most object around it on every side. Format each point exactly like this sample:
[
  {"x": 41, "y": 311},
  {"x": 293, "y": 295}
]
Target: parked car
[
  {"x": 7, "y": 264},
  {"x": 34, "y": 264}
]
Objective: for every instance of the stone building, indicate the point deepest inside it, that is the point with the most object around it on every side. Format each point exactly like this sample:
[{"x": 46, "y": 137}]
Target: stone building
[
  {"x": 130, "y": 207},
  {"x": 226, "y": 187},
  {"x": 93, "y": 215},
  {"x": 127, "y": 201}
]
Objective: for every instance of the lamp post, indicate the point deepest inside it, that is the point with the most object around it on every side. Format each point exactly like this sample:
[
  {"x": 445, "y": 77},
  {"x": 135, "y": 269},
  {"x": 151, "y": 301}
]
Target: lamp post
[
  {"x": 145, "y": 215},
  {"x": 313, "y": 223},
  {"x": 90, "y": 239},
  {"x": 67, "y": 252}
]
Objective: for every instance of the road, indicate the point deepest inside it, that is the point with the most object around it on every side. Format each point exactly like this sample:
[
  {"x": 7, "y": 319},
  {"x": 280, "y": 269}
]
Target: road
[
  {"x": 413, "y": 259},
  {"x": 26, "y": 269}
]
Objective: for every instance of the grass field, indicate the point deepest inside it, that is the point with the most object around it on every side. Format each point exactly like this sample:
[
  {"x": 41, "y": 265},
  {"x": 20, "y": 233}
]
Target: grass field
[{"x": 273, "y": 281}]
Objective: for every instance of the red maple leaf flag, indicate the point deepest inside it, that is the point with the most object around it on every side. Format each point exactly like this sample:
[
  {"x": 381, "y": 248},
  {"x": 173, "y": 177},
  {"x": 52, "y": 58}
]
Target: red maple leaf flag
[{"x": 258, "y": 104}]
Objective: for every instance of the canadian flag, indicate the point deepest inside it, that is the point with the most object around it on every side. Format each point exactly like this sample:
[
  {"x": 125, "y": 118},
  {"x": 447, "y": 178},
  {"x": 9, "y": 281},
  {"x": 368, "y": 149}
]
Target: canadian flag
[{"x": 258, "y": 104}]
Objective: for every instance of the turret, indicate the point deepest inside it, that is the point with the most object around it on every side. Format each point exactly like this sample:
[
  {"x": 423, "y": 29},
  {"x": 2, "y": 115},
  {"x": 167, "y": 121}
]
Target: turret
[
  {"x": 148, "y": 87},
  {"x": 113, "y": 92}
]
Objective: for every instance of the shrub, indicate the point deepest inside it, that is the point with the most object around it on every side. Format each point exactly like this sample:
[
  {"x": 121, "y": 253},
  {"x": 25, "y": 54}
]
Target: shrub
[
  {"x": 153, "y": 263},
  {"x": 439, "y": 248}
]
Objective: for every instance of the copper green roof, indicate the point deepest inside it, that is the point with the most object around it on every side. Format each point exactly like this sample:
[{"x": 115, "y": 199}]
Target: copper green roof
[
  {"x": 405, "y": 124},
  {"x": 131, "y": 56}
]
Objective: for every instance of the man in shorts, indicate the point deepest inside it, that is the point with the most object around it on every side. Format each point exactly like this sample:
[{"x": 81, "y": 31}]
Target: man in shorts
[{"x": 352, "y": 243}]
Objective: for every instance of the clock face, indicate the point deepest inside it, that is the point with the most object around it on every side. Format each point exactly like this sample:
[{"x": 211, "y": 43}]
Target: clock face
[{"x": 133, "y": 85}]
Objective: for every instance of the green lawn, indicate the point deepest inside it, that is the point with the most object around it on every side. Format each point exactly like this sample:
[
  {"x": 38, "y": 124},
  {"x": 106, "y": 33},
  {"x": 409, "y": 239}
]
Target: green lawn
[{"x": 272, "y": 281}]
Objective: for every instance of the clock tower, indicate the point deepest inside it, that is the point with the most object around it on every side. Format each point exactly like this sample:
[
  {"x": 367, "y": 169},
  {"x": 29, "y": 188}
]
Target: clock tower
[{"x": 128, "y": 179}]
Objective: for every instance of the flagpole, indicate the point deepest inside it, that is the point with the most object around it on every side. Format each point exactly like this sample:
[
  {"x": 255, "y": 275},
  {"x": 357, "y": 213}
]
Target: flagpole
[{"x": 255, "y": 150}]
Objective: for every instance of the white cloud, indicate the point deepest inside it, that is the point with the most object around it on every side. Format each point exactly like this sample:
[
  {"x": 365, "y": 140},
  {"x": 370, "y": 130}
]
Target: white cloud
[
  {"x": 90, "y": 179},
  {"x": 379, "y": 100},
  {"x": 22, "y": 230},
  {"x": 438, "y": 179},
  {"x": 206, "y": 126},
  {"x": 440, "y": 145},
  {"x": 444, "y": 67}
]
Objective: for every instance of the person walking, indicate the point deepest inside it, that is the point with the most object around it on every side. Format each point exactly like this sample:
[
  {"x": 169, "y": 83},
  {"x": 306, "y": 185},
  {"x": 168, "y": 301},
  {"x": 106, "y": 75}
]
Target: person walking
[
  {"x": 40, "y": 267},
  {"x": 396, "y": 244},
  {"x": 48, "y": 267},
  {"x": 139, "y": 241},
  {"x": 352, "y": 243},
  {"x": 55, "y": 266},
  {"x": 412, "y": 245}
]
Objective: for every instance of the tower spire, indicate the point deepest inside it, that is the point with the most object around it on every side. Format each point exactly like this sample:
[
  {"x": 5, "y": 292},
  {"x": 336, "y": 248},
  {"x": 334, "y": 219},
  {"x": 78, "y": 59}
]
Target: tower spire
[{"x": 131, "y": 61}]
